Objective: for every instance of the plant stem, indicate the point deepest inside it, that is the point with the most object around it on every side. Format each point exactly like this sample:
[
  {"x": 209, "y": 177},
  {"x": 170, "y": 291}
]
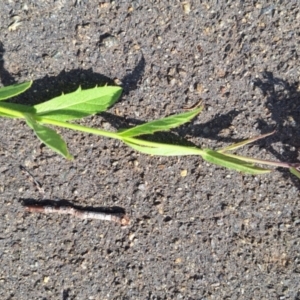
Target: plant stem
[
  {"x": 12, "y": 112},
  {"x": 114, "y": 135},
  {"x": 77, "y": 127},
  {"x": 193, "y": 150}
]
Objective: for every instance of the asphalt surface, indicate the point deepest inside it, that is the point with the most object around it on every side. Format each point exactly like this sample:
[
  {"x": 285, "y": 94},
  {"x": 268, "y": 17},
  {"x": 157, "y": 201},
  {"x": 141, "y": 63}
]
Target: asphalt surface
[{"x": 197, "y": 231}]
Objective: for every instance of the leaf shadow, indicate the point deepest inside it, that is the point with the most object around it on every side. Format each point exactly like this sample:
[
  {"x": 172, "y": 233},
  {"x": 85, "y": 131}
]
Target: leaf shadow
[
  {"x": 131, "y": 80},
  {"x": 283, "y": 103},
  {"x": 49, "y": 87},
  {"x": 5, "y": 76},
  {"x": 212, "y": 128}
]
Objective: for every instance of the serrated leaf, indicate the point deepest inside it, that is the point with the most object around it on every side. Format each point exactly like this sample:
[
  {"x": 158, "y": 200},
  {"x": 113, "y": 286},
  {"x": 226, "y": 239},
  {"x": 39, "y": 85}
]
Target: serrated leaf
[
  {"x": 15, "y": 107},
  {"x": 49, "y": 137},
  {"x": 160, "y": 149},
  {"x": 79, "y": 104},
  {"x": 14, "y": 90},
  {"x": 231, "y": 162},
  {"x": 164, "y": 124}
]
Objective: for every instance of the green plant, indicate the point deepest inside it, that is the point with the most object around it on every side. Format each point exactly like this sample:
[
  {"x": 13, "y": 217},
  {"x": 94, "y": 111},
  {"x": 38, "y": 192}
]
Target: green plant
[{"x": 81, "y": 103}]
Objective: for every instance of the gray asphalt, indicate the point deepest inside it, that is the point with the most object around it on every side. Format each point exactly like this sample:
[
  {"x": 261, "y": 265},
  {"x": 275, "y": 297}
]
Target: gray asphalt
[{"x": 198, "y": 231}]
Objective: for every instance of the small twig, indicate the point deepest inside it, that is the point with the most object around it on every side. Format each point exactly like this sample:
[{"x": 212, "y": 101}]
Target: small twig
[{"x": 117, "y": 217}]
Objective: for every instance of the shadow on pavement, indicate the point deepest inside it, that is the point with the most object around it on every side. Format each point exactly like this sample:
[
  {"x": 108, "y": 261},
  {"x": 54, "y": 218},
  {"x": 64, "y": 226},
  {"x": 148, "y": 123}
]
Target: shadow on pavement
[{"x": 283, "y": 103}]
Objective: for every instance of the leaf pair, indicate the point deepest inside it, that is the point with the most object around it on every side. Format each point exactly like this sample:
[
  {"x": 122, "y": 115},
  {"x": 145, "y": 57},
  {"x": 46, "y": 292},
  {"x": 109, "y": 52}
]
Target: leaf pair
[
  {"x": 79, "y": 104},
  {"x": 67, "y": 107},
  {"x": 76, "y": 105}
]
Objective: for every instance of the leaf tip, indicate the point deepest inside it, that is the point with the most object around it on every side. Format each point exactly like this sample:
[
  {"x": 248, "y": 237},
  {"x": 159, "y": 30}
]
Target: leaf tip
[
  {"x": 70, "y": 157},
  {"x": 295, "y": 172}
]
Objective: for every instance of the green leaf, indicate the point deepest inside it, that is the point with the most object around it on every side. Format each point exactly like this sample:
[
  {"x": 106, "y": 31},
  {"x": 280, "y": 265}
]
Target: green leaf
[
  {"x": 231, "y": 162},
  {"x": 245, "y": 142},
  {"x": 15, "y": 107},
  {"x": 160, "y": 149},
  {"x": 79, "y": 104},
  {"x": 295, "y": 172},
  {"x": 49, "y": 137},
  {"x": 160, "y": 125},
  {"x": 14, "y": 90},
  {"x": 207, "y": 154}
]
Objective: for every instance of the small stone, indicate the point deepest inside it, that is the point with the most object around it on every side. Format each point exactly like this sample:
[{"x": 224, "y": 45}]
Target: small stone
[
  {"x": 186, "y": 7},
  {"x": 178, "y": 260},
  {"x": 142, "y": 187},
  {"x": 46, "y": 279},
  {"x": 131, "y": 236},
  {"x": 183, "y": 173}
]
